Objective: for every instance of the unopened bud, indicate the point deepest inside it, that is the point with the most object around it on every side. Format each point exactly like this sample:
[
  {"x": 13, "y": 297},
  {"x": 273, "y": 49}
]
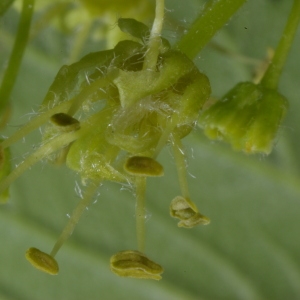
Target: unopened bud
[{"x": 248, "y": 117}]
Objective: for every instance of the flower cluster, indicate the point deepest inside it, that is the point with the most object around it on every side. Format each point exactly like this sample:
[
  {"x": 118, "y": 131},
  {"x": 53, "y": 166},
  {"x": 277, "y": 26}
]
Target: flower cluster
[{"x": 107, "y": 117}]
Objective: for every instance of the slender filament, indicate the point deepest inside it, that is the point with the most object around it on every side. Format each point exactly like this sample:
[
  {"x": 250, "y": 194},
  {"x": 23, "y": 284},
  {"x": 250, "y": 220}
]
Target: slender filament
[
  {"x": 181, "y": 169},
  {"x": 77, "y": 213},
  {"x": 140, "y": 211}
]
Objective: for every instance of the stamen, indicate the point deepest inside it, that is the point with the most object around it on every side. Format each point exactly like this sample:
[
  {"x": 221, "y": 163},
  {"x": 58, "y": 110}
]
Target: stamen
[
  {"x": 46, "y": 262},
  {"x": 181, "y": 169},
  {"x": 183, "y": 207},
  {"x": 35, "y": 123},
  {"x": 142, "y": 166}
]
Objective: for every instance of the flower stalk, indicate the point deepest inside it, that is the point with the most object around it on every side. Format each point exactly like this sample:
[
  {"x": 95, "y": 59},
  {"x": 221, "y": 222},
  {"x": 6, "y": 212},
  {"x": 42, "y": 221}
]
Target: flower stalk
[
  {"x": 272, "y": 75},
  {"x": 214, "y": 16},
  {"x": 16, "y": 56}
]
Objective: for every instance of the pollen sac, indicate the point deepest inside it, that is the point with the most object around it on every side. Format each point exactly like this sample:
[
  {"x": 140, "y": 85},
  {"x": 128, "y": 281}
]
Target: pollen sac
[
  {"x": 140, "y": 30},
  {"x": 134, "y": 28},
  {"x": 131, "y": 263},
  {"x": 248, "y": 117},
  {"x": 143, "y": 166},
  {"x": 42, "y": 261},
  {"x": 65, "y": 122},
  {"x": 5, "y": 169},
  {"x": 182, "y": 210}
]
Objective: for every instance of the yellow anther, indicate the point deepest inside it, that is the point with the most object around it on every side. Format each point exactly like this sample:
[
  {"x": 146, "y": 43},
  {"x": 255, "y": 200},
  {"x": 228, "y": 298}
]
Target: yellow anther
[
  {"x": 131, "y": 263},
  {"x": 65, "y": 122},
  {"x": 143, "y": 166},
  {"x": 42, "y": 261},
  {"x": 181, "y": 209}
]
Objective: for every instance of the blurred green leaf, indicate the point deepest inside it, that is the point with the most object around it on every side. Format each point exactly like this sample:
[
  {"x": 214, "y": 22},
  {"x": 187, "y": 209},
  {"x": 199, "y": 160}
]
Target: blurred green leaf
[
  {"x": 251, "y": 249},
  {"x": 4, "y": 5}
]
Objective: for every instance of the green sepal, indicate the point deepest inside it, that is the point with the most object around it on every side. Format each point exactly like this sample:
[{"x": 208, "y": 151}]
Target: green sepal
[
  {"x": 135, "y": 129},
  {"x": 134, "y": 86},
  {"x": 128, "y": 55},
  {"x": 170, "y": 97},
  {"x": 195, "y": 89},
  {"x": 91, "y": 155},
  {"x": 67, "y": 79}
]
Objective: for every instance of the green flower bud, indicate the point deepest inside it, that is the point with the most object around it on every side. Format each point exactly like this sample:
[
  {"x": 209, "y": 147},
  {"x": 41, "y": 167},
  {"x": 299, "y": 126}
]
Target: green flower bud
[
  {"x": 91, "y": 155},
  {"x": 247, "y": 117}
]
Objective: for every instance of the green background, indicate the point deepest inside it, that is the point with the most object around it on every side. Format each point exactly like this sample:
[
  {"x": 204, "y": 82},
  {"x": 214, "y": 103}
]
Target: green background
[{"x": 251, "y": 249}]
